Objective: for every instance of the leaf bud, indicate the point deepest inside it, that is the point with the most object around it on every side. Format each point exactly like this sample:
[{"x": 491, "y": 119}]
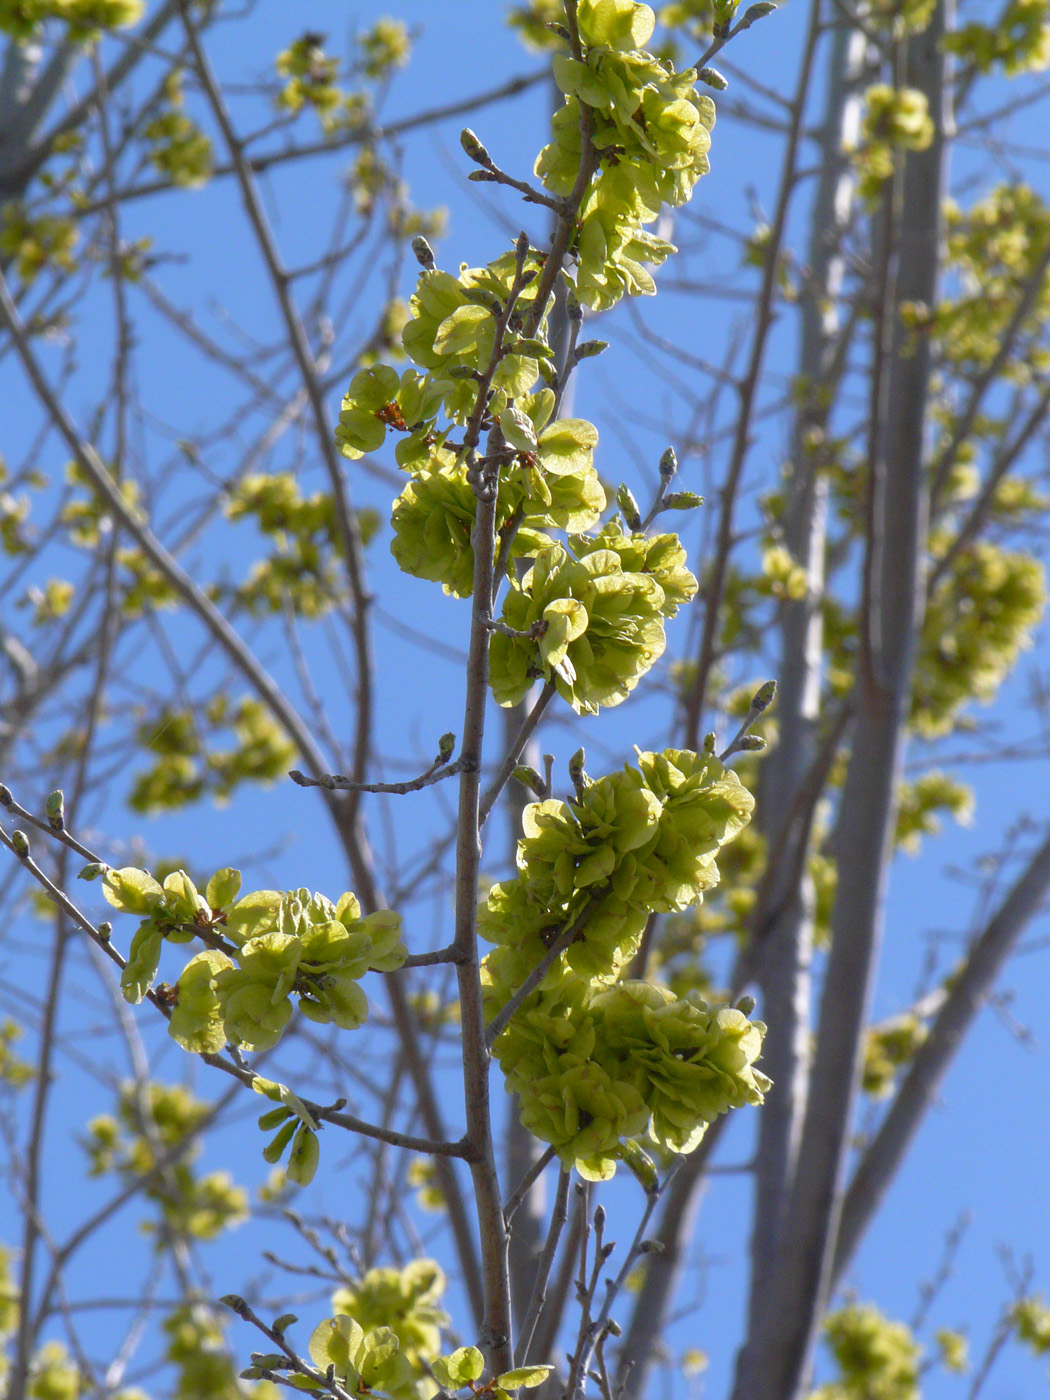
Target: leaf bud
[
  {"x": 105, "y": 930},
  {"x": 529, "y": 778},
  {"x": 424, "y": 253},
  {"x": 473, "y": 147},
  {"x": 539, "y": 349},
  {"x": 267, "y": 1360},
  {"x": 651, "y": 1247},
  {"x": 751, "y": 743},
  {"x": 446, "y": 744},
  {"x": 631, "y": 514},
  {"x": 462, "y": 372},
  {"x": 282, "y": 1323},
  {"x": 481, "y": 296},
  {"x": 599, "y": 1217},
  {"x": 483, "y": 177},
  {"x": 713, "y": 78},
  {"x": 559, "y": 29},
  {"x": 573, "y": 308},
  {"x": 710, "y": 740},
  {"x": 763, "y": 697},
  {"x": 668, "y": 464},
  {"x": 235, "y": 1303},
  {"x": 757, "y": 12},
  {"x": 92, "y": 870},
  {"x": 252, "y": 1373},
  {"x": 521, "y": 246},
  {"x": 682, "y": 500},
  {"x": 577, "y": 776},
  {"x": 20, "y": 844},
  {"x": 613, "y": 1328},
  {"x": 5, "y": 795},
  {"x": 587, "y": 349},
  {"x": 745, "y": 1005},
  {"x": 55, "y": 810},
  {"x": 640, "y": 1164}
]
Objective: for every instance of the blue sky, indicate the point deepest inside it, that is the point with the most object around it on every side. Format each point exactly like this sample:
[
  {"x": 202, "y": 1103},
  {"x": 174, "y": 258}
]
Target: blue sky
[{"x": 986, "y": 1148}]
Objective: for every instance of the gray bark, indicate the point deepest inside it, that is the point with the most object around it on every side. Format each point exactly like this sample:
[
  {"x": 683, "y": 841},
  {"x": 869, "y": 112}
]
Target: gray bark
[
  {"x": 784, "y": 971},
  {"x": 775, "y": 1363}
]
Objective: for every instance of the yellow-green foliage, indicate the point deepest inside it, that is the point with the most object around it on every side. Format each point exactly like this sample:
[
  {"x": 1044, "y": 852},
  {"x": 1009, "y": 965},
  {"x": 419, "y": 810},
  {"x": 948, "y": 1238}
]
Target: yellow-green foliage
[
  {"x": 8, "y": 1295},
  {"x": 877, "y": 1359},
  {"x": 895, "y": 119},
  {"x": 405, "y": 1300},
  {"x": 920, "y": 804},
  {"x": 189, "y": 765},
  {"x": 179, "y": 148},
  {"x": 889, "y": 1046},
  {"x": 384, "y": 47},
  {"x": 150, "y": 1122},
  {"x": 15, "y": 1073},
  {"x": 305, "y": 571},
  {"x": 978, "y": 621},
  {"x": 1019, "y": 39},
  {"x": 1031, "y": 1318},
  {"x": 37, "y": 241},
  {"x": 205, "y": 1369},
  {"x": 85, "y": 19},
  {"x": 994, "y": 248}
]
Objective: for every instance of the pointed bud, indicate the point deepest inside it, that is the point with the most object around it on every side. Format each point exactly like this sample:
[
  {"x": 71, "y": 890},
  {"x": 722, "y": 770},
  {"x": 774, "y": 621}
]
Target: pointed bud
[
  {"x": 599, "y": 1217},
  {"x": 20, "y": 844},
  {"x": 631, "y": 514},
  {"x": 55, "y": 810},
  {"x": 424, "y": 253},
  {"x": 538, "y": 349},
  {"x": 651, "y": 1247},
  {"x": 5, "y": 796},
  {"x": 473, "y": 148},
  {"x": 757, "y": 12},
  {"x": 587, "y": 349},
  {"x": 92, "y": 871},
  {"x": 282, "y": 1323},
  {"x": 640, "y": 1164},
  {"x": 745, "y": 1005},
  {"x": 709, "y": 742},
  {"x": 446, "y": 744},
  {"x": 105, "y": 931},
  {"x": 713, "y": 78},
  {"x": 763, "y": 697},
  {"x": 750, "y": 743},
  {"x": 236, "y": 1303},
  {"x": 668, "y": 464},
  {"x": 529, "y": 778},
  {"x": 521, "y": 247},
  {"x": 577, "y": 776},
  {"x": 682, "y": 500},
  {"x": 481, "y": 296}
]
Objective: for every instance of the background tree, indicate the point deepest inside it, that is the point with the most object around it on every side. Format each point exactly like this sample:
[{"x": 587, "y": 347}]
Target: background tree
[{"x": 199, "y": 597}]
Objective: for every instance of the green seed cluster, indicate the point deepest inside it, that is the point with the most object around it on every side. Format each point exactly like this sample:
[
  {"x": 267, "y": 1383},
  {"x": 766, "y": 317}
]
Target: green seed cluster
[
  {"x": 590, "y": 617},
  {"x": 266, "y": 947},
  {"x": 596, "y": 1060},
  {"x": 651, "y": 131}
]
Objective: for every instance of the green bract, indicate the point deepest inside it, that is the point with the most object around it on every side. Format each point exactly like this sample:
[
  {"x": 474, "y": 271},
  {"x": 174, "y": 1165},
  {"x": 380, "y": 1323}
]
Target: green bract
[
  {"x": 552, "y": 486},
  {"x": 595, "y": 1060},
  {"x": 651, "y": 133},
  {"x": 265, "y": 948},
  {"x": 591, "y": 625}
]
